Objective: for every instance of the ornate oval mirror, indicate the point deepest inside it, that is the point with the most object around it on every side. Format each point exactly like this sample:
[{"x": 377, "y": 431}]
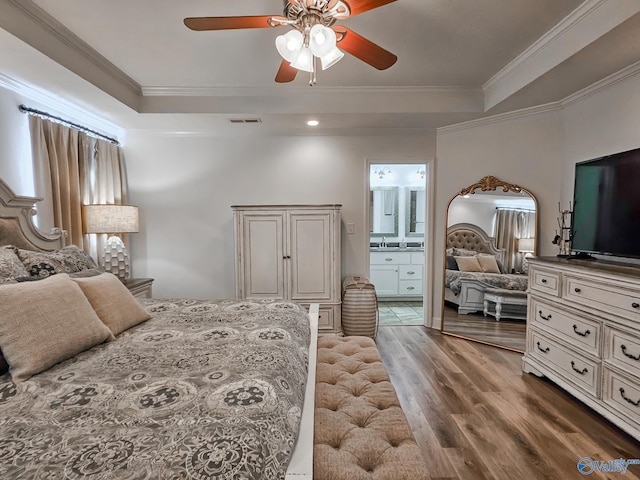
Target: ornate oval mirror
[{"x": 491, "y": 230}]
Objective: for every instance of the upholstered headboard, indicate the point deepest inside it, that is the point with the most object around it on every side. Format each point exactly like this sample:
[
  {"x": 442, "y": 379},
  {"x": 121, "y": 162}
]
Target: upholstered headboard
[
  {"x": 16, "y": 223},
  {"x": 471, "y": 237}
]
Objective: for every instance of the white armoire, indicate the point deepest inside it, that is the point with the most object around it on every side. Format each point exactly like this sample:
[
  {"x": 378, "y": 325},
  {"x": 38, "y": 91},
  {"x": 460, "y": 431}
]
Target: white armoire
[{"x": 290, "y": 252}]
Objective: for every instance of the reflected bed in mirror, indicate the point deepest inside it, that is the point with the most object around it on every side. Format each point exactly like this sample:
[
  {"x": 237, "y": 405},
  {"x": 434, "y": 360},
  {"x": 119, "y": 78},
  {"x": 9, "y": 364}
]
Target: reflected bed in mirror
[{"x": 491, "y": 226}]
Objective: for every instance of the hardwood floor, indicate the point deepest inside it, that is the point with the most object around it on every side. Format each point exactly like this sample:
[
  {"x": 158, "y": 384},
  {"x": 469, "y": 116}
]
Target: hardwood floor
[
  {"x": 476, "y": 416},
  {"x": 507, "y": 332}
]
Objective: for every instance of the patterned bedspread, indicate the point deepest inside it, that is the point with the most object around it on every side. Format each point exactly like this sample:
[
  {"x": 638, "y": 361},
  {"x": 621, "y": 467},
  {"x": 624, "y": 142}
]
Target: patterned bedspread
[
  {"x": 203, "y": 390},
  {"x": 496, "y": 280}
]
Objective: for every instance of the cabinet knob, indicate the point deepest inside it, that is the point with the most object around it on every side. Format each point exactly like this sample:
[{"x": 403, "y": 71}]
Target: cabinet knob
[
  {"x": 635, "y": 305},
  {"x": 411, "y": 288},
  {"x": 544, "y": 280},
  {"x": 413, "y": 273},
  {"x": 388, "y": 259},
  {"x": 577, "y": 290}
]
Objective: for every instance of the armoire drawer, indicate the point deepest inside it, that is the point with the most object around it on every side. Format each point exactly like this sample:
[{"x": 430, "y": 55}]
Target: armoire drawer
[
  {"x": 605, "y": 297},
  {"x": 577, "y": 331},
  {"x": 622, "y": 394},
  {"x": 546, "y": 281},
  {"x": 576, "y": 368},
  {"x": 623, "y": 350}
]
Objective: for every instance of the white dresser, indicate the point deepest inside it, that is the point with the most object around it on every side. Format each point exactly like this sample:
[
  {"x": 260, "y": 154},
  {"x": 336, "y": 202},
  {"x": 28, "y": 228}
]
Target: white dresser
[
  {"x": 583, "y": 333},
  {"x": 397, "y": 274},
  {"x": 290, "y": 252}
]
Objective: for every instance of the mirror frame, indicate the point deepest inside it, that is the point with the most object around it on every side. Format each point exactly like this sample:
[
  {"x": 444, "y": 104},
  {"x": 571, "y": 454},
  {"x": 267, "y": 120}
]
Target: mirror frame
[
  {"x": 485, "y": 184},
  {"x": 395, "y": 209},
  {"x": 407, "y": 214}
]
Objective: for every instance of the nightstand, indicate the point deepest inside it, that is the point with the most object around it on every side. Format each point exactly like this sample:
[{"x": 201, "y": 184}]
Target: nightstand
[{"x": 139, "y": 287}]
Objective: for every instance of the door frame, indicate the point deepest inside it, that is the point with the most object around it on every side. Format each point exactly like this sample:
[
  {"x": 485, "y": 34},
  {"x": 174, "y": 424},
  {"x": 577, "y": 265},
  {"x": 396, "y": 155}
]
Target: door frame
[{"x": 427, "y": 285}]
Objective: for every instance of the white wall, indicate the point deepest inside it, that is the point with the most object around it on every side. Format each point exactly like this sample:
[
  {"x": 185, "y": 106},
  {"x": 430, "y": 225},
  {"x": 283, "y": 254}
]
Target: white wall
[{"x": 185, "y": 186}]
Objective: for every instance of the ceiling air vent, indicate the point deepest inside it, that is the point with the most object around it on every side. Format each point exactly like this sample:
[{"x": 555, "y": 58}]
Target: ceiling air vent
[{"x": 245, "y": 120}]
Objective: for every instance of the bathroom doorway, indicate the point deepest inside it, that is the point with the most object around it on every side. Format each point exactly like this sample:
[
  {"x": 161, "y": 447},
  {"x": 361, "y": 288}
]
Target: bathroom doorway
[{"x": 397, "y": 231}]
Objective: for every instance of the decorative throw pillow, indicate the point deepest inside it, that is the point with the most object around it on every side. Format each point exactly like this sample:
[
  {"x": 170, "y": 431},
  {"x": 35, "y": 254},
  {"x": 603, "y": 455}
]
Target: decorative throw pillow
[
  {"x": 488, "y": 263},
  {"x": 463, "y": 252},
  {"x": 468, "y": 264},
  {"x": 70, "y": 259},
  {"x": 44, "y": 323},
  {"x": 10, "y": 265},
  {"x": 451, "y": 263},
  {"x": 115, "y": 305}
]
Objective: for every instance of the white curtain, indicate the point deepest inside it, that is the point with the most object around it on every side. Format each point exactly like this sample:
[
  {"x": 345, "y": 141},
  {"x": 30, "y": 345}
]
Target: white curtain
[
  {"x": 79, "y": 169},
  {"x": 509, "y": 226}
]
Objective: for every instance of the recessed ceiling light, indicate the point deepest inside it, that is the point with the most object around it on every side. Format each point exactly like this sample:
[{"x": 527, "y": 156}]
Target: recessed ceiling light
[{"x": 313, "y": 123}]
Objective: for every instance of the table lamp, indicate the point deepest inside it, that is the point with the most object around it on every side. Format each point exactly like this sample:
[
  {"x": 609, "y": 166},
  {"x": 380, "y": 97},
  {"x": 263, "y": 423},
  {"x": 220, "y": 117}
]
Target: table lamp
[{"x": 114, "y": 220}]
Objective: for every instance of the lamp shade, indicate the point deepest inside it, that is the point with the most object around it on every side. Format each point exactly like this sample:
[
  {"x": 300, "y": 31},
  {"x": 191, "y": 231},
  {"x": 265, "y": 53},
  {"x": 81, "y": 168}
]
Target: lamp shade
[
  {"x": 304, "y": 60},
  {"x": 321, "y": 40},
  {"x": 110, "y": 218},
  {"x": 526, "y": 245},
  {"x": 289, "y": 44}
]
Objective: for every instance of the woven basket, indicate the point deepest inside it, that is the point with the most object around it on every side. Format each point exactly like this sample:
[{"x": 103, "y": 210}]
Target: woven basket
[{"x": 359, "y": 307}]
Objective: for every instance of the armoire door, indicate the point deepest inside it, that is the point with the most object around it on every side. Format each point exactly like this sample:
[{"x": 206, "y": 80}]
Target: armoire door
[
  {"x": 312, "y": 255},
  {"x": 263, "y": 257}
]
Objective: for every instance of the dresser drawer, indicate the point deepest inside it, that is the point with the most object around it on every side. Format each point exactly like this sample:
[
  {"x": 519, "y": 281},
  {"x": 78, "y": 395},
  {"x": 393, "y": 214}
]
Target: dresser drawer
[
  {"x": 578, "y": 369},
  {"x": 623, "y": 350},
  {"x": 575, "y": 330},
  {"x": 543, "y": 280},
  {"x": 605, "y": 297},
  {"x": 622, "y": 394},
  {"x": 390, "y": 258},
  {"x": 417, "y": 258},
  {"x": 410, "y": 272},
  {"x": 410, "y": 287}
]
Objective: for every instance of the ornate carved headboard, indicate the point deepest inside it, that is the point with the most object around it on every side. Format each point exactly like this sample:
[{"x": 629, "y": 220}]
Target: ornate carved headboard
[
  {"x": 472, "y": 237},
  {"x": 16, "y": 223}
]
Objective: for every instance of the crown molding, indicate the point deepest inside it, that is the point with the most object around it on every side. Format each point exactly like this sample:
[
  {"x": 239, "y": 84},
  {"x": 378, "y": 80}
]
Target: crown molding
[
  {"x": 501, "y": 117},
  {"x": 287, "y": 132},
  {"x": 621, "y": 75},
  {"x": 57, "y": 30},
  {"x": 589, "y": 21},
  {"x": 287, "y": 91}
]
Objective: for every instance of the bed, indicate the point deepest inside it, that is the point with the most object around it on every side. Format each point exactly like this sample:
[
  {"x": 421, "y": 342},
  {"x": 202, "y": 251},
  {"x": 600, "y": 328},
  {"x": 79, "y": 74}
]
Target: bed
[
  {"x": 465, "y": 289},
  {"x": 163, "y": 389}
]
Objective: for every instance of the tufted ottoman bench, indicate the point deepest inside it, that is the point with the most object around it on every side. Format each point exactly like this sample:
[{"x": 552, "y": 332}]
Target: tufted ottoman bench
[{"x": 360, "y": 430}]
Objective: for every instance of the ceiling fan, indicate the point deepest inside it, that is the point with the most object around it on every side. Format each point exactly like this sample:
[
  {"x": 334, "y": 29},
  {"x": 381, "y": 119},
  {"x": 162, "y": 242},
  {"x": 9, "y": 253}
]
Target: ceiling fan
[{"x": 314, "y": 37}]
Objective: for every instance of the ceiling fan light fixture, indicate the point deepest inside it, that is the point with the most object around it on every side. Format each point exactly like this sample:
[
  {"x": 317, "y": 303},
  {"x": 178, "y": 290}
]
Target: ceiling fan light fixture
[
  {"x": 304, "y": 60},
  {"x": 331, "y": 58},
  {"x": 289, "y": 44},
  {"x": 321, "y": 40}
]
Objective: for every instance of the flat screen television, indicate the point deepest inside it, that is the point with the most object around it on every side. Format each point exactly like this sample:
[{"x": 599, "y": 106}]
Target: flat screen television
[{"x": 606, "y": 205}]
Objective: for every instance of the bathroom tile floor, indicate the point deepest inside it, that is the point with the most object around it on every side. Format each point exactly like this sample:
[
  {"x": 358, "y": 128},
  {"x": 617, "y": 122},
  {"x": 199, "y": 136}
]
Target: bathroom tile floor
[{"x": 401, "y": 313}]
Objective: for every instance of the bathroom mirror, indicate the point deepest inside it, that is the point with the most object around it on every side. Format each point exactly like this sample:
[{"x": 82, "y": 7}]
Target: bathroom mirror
[
  {"x": 415, "y": 211},
  {"x": 383, "y": 208},
  {"x": 489, "y": 218}
]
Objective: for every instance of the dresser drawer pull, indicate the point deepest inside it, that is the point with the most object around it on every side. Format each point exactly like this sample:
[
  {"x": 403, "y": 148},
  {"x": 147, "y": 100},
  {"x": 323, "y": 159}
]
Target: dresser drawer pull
[
  {"x": 581, "y": 372},
  {"x": 547, "y": 318},
  {"x": 586, "y": 333},
  {"x": 624, "y": 352},
  {"x": 627, "y": 399},
  {"x": 388, "y": 259},
  {"x": 411, "y": 273},
  {"x": 543, "y": 350},
  {"x": 544, "y": 280},
  {"x": 577, "y": 290},
  {"x": 411, "y": 288},
  {"x": 635, "y": 305}
]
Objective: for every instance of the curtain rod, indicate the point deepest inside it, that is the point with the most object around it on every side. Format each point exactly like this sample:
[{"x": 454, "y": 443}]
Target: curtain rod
[
  {"x": 40, "y": 113},
  {"x": 516, "y": 209}
]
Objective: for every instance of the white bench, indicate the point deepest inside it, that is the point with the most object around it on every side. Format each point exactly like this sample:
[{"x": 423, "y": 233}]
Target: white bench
[{"x": 503, "y": 303}]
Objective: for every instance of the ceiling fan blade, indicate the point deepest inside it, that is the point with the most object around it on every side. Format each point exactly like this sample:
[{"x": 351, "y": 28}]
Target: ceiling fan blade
[
  {"x": 360, "y": 6},
  {"x": 364, "y": 49},
  {"x": 286, "y": 73},
  {"x": 231, "y": 23}
]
